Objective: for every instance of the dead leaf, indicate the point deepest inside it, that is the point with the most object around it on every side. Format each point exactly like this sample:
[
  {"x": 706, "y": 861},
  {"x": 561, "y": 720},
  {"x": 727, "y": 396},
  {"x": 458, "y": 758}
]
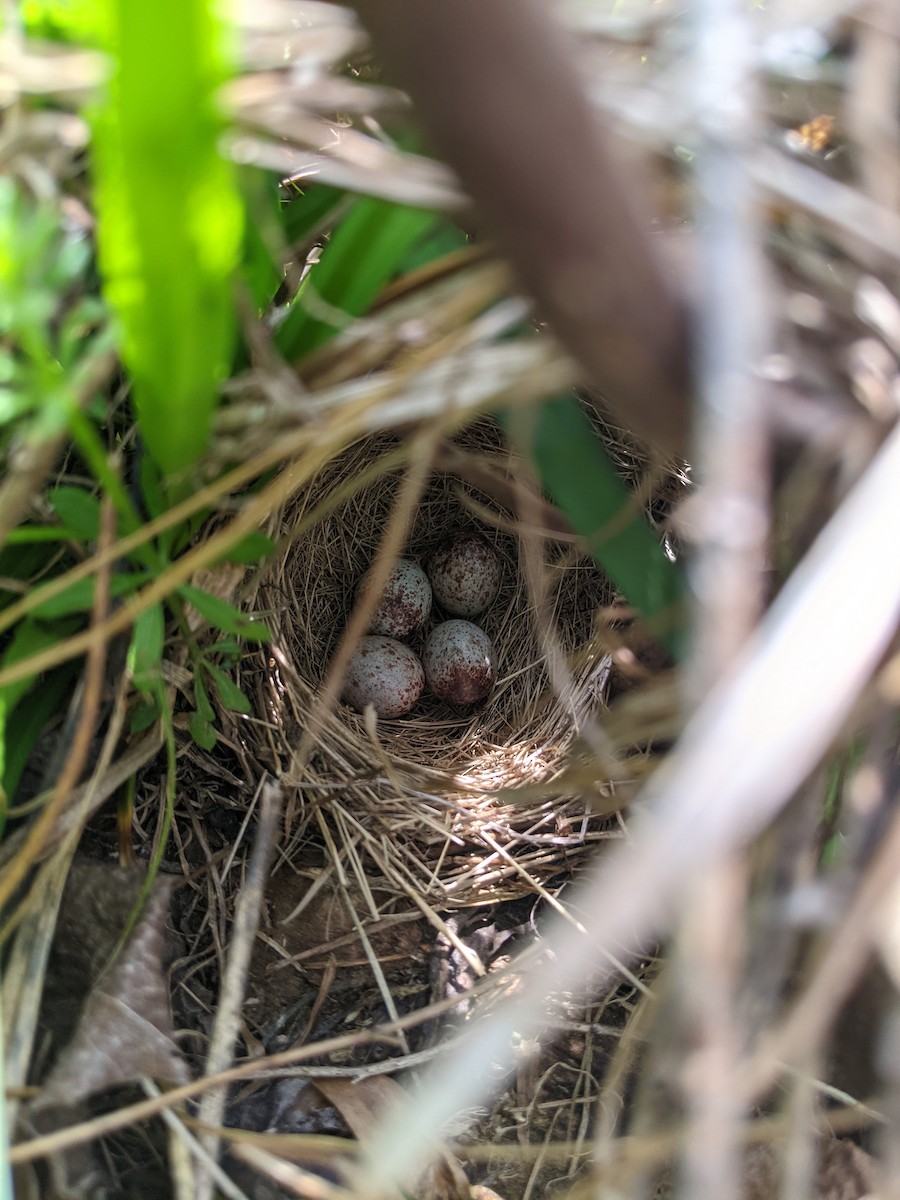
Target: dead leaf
[
  {"x": 124, "y": 1029},
  {"x": 363, "y": 1103}
]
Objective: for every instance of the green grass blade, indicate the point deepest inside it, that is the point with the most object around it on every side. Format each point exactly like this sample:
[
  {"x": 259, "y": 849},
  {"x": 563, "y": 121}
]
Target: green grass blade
[
  {"x": 311, "y": 208},
  {"x": 79, "y": 596},
  {"x": 222, "y": 615},
  {"x": 145, "y": 651},
  {"x": 30, "y": 637},
  {"x": 261, "y": 270},
  {"x": 16, "y": 737},
  {"x": 22, "y": 727},
  {"x": 362, "y": 255},
  {"x": 170, "y": 216},
  {"x": 580, "y": 477},
  {"x": 78, "y": 509}
]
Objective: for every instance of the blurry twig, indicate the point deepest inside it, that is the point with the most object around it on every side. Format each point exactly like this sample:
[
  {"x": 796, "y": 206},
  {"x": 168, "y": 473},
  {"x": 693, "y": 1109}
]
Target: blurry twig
[
  {"x": 56, "y": 70},
  {"x": 730, "y": 510},
  {"x": 388, "y": 175},
  {"x": 873, "y": 95},
  {"x": 731, "y": 513},
  {"x": 289, "y": 1176},
  {"x": 833, "y": 979},
  {"x": 710, "y": 955},
  {"x": 179, "y": 1130},
  {"x": 858, "y": 223},
  {"x": 539, "y": 162},
  {"x": 231, "y": 993}
]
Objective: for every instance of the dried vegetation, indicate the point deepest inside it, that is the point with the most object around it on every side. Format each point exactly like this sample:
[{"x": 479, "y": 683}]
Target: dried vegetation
[{"x": 447, "y": 903}]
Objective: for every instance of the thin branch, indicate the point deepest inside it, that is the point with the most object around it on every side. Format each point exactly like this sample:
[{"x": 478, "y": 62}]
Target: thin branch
[
  {"x": 731, "y": 509},
  {"x": 231, "y": 994}
]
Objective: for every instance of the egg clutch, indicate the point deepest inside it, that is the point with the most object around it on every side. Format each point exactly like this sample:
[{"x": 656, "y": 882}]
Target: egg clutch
[{"x": 458, "y": 662}]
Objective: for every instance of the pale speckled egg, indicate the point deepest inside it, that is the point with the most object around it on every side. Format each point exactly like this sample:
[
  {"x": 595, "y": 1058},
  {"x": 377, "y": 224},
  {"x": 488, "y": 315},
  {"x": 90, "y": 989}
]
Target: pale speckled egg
[
  {"x": 406, "y": 602},
  {"x": 386, "y": 674},
  {"x": 459, "y": 662},
  {"x": 465, "y": 574}
]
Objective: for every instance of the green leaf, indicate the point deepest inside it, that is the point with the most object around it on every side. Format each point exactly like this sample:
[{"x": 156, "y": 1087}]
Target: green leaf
[
  {"x": 445, "y": 238},
  {"x": 24, "y": 562},
  {"x": 28, "y": 638},
  {"x": 145, "y": 713},
  {"x": 201, "y": 721},
  {"x": 145, "y": 651},
  {"x": 13, "y": 403},
  {"x": 226, "y": 646},
  {"x": 151, "y": 487},
  {"x": 222, "y": 615},
  {"x": 229, "y": 693},
  {"x": 78, "y": 330},
  {"x": 21, "y": 728},
  {"x": 202, "y": 731},
  {"x": 31, "y": 535},
  {"x": 362, "y": 255},
  {"x": 170, "y": 215},
  {"x": 580, "y": 477},
  {"x": 201, "y": 699},
  {"x": 78, "y": 509},
  {"x": 70, "y": 262},
  {"x": 20, "y": 724},
  {"x": 79, "y": 596},
  {"x": 249, "y": 550}
]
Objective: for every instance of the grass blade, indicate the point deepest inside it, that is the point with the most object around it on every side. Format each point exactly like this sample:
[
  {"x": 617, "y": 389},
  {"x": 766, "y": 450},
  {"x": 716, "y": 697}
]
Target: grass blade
[
  {"x": 170, "y": 213},
  {"x": 362, "y": 255},
  {"x": 222, "y": 615},
  {"x": 580, "y": 477}
]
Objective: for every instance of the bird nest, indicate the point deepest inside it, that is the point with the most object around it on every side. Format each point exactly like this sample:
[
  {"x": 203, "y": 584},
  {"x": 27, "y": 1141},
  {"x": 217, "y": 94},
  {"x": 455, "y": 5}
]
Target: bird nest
[{"x": 440, "y": 780}]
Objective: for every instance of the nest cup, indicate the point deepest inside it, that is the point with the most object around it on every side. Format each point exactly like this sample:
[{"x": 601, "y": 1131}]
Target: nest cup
[{"x": 435, "y": 772}]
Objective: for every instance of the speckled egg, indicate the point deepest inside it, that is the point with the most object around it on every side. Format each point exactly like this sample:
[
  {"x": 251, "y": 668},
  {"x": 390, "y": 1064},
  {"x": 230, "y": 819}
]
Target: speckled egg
[
  {"x": 459, "y": 662},
  {"x": 406, "y": 602},
  {"x": 465, "y": 574},
  {"x": 386, "y": 674}
]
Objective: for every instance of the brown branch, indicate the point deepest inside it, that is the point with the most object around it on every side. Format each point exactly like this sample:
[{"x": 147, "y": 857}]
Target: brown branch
[{"x": 498, "y": 88}]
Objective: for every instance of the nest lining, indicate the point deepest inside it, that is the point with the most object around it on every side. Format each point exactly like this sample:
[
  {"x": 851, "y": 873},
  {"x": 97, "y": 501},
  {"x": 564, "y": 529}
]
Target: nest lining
[{"x": 432, "y": 775}]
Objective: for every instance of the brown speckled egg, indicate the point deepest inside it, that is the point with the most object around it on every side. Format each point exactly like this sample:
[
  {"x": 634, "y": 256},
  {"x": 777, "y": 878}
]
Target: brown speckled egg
[
  {"x": 406, "y": 602},
  {"x": 465, "y": 574},
  {"x": 459, "y": 662},
  {"x": 386, "y": 674}
]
